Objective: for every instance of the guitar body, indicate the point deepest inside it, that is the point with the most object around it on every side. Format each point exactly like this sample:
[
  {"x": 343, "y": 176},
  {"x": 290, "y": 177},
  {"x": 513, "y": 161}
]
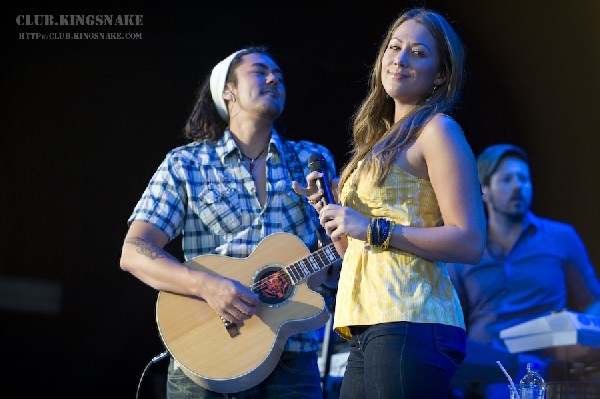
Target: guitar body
[{"x": 233, "y": 358}]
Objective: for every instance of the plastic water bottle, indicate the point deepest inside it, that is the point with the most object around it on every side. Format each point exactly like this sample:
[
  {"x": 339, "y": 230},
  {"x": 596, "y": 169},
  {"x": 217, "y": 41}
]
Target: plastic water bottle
[{"x": 532, "y": 384}]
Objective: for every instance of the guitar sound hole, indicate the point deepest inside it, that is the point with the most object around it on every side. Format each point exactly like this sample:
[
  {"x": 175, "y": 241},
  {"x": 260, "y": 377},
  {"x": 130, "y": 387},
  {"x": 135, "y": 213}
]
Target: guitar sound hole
[{"x": 273, "y": 285}]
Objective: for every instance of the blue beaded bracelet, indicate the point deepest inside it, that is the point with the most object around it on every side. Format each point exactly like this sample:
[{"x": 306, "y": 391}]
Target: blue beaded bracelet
[{"x": 379, "y": 232}]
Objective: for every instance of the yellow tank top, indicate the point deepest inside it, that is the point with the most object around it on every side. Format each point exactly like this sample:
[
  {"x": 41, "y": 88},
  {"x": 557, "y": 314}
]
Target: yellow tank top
[{"x": 381, "y": 286}]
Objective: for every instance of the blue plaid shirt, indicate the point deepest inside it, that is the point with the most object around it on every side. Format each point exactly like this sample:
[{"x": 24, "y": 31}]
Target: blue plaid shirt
[{"x": 204, "y": 192}]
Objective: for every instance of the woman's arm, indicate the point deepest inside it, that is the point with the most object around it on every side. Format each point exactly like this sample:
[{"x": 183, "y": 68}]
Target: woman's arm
[{"x": 450, "y": 166}]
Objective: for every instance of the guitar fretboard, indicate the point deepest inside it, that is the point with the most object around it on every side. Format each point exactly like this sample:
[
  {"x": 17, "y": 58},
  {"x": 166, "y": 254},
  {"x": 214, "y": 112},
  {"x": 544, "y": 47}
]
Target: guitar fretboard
[{"x": 316, "y": 261}]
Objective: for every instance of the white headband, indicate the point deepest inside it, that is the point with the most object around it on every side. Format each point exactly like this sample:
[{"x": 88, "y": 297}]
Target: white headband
[{"x": 217, "y": 84}]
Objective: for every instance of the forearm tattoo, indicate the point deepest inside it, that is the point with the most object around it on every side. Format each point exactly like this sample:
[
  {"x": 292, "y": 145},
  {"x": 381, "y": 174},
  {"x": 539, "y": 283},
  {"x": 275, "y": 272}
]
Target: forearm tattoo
[{"x": 147, "y": 249}]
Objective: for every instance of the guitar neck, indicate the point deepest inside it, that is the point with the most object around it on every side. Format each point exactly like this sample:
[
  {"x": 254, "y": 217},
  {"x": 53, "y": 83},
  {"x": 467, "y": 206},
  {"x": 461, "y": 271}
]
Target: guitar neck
[{"x": 313, "y": 263}]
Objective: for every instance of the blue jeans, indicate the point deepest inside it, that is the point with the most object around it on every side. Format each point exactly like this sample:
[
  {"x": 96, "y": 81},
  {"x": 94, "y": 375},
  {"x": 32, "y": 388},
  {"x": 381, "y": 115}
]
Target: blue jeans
[
  {"x": 403, "y": 360},
  {"x": 295, "y": 376}
]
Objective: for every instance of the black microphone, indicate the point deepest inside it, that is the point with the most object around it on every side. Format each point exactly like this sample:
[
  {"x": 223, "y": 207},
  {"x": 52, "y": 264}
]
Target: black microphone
[{"x": 317, "y": 162}]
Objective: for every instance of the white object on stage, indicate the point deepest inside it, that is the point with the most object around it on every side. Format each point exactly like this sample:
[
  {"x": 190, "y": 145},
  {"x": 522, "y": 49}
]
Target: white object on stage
[{"x": 571, "y": 335}]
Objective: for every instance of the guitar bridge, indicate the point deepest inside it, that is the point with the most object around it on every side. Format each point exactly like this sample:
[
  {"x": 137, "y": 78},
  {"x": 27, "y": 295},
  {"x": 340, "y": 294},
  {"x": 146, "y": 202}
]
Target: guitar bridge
[{"x": 231, "y": 328}]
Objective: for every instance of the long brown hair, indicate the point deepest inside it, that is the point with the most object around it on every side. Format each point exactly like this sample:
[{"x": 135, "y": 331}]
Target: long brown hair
[{"x": 376, "y": 138}]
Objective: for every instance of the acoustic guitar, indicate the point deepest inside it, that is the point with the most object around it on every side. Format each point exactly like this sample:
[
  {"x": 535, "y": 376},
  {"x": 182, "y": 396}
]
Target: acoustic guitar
[{"x": 226, "y": 357}]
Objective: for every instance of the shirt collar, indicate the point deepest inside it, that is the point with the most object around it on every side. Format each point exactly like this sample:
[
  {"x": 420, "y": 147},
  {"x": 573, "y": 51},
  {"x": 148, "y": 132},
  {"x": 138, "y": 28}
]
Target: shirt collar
[
  {"x": 531, "y": 221},
  {"x": 226, "y": 145},
  {"x": 531, "y": 224}
]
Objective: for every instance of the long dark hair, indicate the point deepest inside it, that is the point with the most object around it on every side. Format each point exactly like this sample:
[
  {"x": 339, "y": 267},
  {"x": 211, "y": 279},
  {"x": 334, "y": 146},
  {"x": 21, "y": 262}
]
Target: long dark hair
[{"x": 204, "y": 122}]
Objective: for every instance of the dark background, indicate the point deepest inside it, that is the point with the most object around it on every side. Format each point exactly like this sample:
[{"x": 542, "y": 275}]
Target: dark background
[{"x": 86, "y": 123}]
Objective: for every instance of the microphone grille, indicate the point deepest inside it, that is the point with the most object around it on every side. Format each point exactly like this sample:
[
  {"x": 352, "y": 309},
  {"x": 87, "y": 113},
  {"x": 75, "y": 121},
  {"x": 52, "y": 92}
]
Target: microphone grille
[{"x": 316, "y": 162}]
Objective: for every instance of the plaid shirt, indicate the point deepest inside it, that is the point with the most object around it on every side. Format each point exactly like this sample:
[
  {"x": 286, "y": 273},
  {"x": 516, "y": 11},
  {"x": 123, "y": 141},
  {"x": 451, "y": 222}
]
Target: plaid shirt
[{"x": 204, "y": 192}]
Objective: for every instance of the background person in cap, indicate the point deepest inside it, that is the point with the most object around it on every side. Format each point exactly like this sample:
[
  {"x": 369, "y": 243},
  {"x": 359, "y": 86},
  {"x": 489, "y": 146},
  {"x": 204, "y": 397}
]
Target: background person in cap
[
  {"x": 531, "y": 266},
  {"x": 225, "y": 192}
]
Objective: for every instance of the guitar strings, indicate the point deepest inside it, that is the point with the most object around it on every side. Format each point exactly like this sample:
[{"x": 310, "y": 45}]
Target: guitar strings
[{"x": 264, "y": 282}]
